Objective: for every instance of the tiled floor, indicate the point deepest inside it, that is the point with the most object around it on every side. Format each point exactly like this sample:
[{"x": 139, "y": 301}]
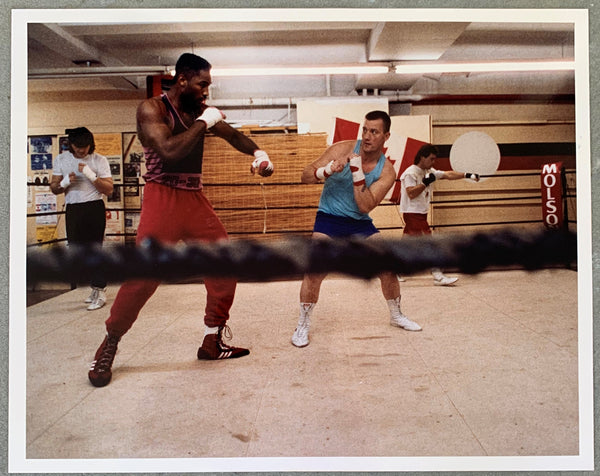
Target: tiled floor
[{"x": 494, "y": 373}]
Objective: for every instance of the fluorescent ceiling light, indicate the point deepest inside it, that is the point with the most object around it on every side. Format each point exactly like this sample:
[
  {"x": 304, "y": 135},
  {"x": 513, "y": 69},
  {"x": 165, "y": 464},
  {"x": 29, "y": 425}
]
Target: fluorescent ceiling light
[
  {"x": 414, "y": 67},
  {"x": 300, "y": 70},
  {"x": 484, "y": 66}
]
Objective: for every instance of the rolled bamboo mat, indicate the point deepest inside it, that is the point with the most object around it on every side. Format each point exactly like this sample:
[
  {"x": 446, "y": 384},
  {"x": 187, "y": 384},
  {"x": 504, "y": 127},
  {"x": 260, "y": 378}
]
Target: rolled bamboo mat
[{"x": 251, "y": 206}]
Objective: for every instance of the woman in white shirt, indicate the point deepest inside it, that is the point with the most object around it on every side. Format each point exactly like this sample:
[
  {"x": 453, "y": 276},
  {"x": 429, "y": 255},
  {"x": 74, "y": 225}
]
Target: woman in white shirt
[{"x": 84, "y": 177}]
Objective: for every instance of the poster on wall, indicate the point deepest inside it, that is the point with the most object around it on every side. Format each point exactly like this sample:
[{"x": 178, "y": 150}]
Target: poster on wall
[
  {"x": 114, "y": 226},
  {"x": 116, "y": 198},
  {"x": 45, "y": 203},
  {"x": 40, "y": 161},
  {"x": 46, "y": 233},
  {"x": 63, "y": 144},
  {"x": 40, "y": 145},
  {"x": 114, "y": 162},
  {"x": 134, "y": 167},
  {"x": 109, "y": 145},
  {"x": 41, "y": 179},
  {"x": 132, "y": 222}
]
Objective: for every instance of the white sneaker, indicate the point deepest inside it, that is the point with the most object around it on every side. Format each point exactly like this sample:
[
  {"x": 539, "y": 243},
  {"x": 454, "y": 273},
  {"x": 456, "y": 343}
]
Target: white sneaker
[
  {"x": 300, "y": 337},
  {"x": 100, "y": 300},
  {"x": 405, "y": 323},
  {"x": 92, "y": 296},
  {"x": 400, "y": 279},
  {"x": 444, "y": 281}
]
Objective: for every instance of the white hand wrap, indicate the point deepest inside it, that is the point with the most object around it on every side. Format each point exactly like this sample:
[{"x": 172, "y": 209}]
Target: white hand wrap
[
  {"x": 65, "y": 182},
  {"x": 89, "y": 173},
  {"x": 211, "y": 116},
  {"x": 323, "y": 172},
  {"x": 358, "y": 177},
  {"x": 260, "y": 157}
]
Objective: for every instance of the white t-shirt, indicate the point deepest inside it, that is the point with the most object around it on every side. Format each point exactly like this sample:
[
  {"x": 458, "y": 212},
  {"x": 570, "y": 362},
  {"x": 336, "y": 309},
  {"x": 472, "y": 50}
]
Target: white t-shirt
[
  {"x": 411, "y": 177},
  {"x": 82, "y": 189}
]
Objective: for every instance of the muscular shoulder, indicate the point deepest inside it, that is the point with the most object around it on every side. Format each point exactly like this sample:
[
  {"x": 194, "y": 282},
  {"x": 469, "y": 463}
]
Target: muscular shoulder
[
  {"x": 342, "y": 148},
  {"x": 388, "y": 168},
  {"x": 388, "y": 172},
  {"x": 152, "y": 108},
  {"x": 151, "y": 113}
]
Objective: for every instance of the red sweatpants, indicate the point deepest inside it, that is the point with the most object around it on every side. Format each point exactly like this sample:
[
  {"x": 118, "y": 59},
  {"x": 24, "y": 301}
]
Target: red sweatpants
[
  {"x": 415, "y": 224},
  {"x": 170, "y": 215}
]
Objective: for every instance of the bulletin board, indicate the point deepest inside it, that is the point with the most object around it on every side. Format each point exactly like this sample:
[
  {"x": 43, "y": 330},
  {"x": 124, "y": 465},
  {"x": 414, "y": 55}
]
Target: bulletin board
[
  {"x": 110, "y": 146},
  {"x": 41, "y": 152}
]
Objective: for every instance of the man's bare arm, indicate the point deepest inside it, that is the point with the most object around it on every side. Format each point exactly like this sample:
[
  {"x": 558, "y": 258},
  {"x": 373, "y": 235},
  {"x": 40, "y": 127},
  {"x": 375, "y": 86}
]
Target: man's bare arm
[
  {"x": 337, "y": 153},
  {"x": 154, "y": 132}
]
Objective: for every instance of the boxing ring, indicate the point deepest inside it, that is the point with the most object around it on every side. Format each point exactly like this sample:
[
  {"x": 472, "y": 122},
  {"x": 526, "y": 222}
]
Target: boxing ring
[
  {"x": 492, "y": 381},
  {"x": 493, "y": 374}
]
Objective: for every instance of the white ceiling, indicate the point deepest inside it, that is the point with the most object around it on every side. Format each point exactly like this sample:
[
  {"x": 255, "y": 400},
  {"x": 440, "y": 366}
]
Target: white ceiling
[{"x": 57, "y": 46}]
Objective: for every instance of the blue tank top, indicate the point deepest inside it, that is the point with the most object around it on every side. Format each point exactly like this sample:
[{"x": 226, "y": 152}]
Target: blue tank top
[{"x": 337, "y": 197}]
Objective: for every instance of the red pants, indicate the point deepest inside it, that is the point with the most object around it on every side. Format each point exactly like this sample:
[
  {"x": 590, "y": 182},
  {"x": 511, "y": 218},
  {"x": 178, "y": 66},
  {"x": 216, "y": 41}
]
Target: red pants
[
  {"x": 170, "y": 215},
  {"x": 415, "y": 224}
]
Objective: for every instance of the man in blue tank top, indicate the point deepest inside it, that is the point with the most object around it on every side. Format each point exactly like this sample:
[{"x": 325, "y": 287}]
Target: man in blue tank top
[{"x": 357, "y": 176}]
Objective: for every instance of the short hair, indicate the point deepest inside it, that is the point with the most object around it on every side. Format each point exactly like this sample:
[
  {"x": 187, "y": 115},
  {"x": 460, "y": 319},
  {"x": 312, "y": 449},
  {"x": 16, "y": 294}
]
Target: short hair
[
  {"x": 384, "y": 116},
  {"x": 80, "y": 137},
  {"x": 425, "y": 151},
  {"x": 190, "y": 65}
]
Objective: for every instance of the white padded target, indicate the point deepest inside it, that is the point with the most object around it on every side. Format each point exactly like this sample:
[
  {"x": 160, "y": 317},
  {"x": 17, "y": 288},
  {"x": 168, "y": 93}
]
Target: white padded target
[{"x": 475, "y": 152}]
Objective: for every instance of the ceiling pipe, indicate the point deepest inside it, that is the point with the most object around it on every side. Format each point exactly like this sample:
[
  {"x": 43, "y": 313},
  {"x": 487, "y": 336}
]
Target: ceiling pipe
[
  {"x": 97, "y": 71},
  {"x": 286, "y": 102},
  {"x": 399, "y": 97},
  {"x": 106, "y": 71}
]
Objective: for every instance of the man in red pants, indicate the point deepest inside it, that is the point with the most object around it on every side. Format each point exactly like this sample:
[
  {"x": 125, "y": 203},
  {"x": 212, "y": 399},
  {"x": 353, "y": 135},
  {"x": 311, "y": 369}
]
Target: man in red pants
[{"x": 171, "y": 128}]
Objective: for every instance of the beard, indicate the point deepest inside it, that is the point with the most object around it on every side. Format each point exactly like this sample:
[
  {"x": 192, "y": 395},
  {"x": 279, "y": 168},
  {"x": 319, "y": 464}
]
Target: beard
[{"x": 190, "y": 104}]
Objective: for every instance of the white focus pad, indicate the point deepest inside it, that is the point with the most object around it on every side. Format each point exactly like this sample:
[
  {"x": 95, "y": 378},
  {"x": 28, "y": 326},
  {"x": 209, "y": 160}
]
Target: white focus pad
[{"x": 475, "y": 152}]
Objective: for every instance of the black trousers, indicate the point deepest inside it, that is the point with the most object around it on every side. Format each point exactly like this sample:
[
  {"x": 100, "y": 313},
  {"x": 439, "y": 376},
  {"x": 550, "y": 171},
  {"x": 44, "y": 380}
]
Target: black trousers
[{"x": 85, "y": 224}]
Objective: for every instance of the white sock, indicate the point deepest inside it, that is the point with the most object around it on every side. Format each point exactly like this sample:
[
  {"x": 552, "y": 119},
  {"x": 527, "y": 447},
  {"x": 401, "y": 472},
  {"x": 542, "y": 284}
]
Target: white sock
[
  {"x": 306, "y": 309},
  {"x": 394, "y": 307},
  {"x": 210, "y": 330},
  {"x": 437, "y": 273}
]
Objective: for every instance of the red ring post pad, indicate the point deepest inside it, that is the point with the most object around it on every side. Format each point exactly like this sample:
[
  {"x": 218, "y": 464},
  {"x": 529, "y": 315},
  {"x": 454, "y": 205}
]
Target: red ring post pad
[{"x": 552, "y": 195}]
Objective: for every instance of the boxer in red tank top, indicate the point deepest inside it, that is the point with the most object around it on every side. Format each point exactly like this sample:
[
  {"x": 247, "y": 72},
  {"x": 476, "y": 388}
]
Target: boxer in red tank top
[{"x": 171, "y": 129}]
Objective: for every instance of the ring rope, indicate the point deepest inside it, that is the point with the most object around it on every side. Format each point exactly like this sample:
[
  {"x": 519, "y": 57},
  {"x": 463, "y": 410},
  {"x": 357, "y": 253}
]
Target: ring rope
[{"x": 293, "y": 257}]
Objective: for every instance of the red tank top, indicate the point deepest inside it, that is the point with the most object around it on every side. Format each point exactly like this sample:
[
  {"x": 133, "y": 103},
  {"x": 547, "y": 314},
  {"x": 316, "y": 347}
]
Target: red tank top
[{"x": 185, "y": 173}]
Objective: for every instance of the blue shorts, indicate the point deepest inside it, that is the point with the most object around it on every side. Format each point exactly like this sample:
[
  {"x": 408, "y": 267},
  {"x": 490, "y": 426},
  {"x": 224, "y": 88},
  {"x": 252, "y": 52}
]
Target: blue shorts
[{"x": 342, "y": 227}]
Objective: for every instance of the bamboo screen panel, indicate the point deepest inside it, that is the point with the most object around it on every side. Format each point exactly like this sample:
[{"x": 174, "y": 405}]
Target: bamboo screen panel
[{"x": 257, "y": 207}]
